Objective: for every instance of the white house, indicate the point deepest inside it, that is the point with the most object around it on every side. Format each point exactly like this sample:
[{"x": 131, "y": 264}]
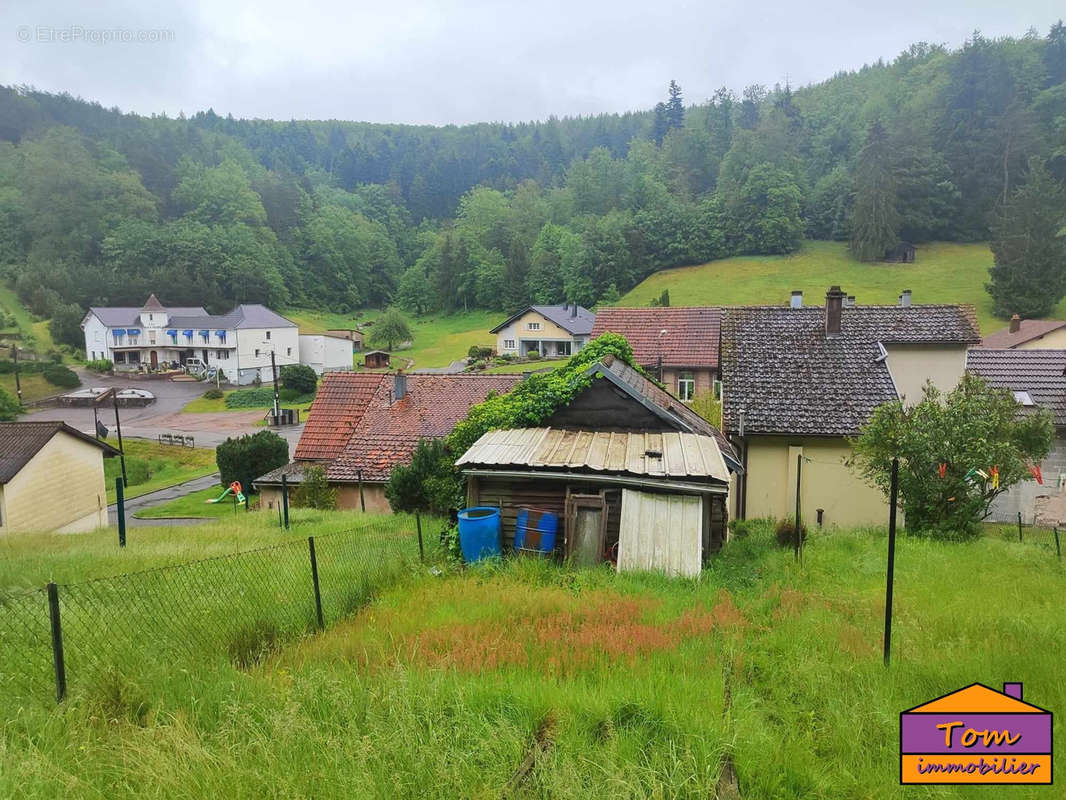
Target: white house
[
  {"x": 326, "y": 353},
  {"x": 238, "y": 343},
  {"x": 551, "y": 331}
]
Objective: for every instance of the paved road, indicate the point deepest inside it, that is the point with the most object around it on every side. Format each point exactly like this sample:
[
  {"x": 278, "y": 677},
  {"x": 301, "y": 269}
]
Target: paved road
[
  {"x": 164, "y": 415},
  {"x": 162, "y": 496},
  {"x": 452, "y": 369}
]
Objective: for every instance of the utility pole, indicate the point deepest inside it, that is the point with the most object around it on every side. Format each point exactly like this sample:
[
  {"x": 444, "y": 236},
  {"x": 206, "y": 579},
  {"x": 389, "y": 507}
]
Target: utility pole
[
  {"x": 274, "y": 373},
  {"x": 15, "y": 358},
  {"x": 118, "y": 429}
]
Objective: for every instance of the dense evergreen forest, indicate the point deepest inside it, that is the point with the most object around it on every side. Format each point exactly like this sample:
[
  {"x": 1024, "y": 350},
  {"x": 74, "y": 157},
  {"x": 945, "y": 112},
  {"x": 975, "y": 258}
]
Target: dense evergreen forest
[{"x": 97, "y": 206}]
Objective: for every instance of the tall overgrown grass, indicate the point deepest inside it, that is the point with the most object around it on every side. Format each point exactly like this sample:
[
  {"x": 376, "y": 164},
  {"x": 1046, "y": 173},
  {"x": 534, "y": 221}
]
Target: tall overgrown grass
[{"x": 527, "y": 679}]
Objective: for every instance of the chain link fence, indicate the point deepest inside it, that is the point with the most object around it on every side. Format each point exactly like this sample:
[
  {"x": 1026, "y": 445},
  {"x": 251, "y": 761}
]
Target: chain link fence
[
  {"x": 237, "y": 606},
  {"x": 1030, "y": 533}
]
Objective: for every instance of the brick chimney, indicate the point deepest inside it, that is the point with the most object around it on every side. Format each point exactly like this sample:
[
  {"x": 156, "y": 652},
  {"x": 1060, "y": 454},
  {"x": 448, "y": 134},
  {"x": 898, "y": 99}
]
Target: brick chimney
[
  {"x": 1015, "y": 324},
  {"x": 834, "y": 302},
  {"x": 399, "y": 386},
  {"x": 797, "y": 299}
]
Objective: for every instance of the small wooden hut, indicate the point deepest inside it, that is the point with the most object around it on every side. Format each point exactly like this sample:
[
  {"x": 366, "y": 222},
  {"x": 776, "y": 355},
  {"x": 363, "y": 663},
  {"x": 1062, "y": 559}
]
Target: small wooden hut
[
  {"x": 639, "y": 500},
  {"x": 376, "y": 359}
]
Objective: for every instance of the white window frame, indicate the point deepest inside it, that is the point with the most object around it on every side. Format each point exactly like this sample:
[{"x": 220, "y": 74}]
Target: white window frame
[
  {"x": 533, "y": 326},
  {"x": 686, "y": 386},
  {"x": 508, "y": 344}
]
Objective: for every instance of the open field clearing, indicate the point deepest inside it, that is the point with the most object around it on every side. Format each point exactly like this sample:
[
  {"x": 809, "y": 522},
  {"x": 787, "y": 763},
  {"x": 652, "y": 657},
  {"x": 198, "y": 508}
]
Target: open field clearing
[
  {"x": 527, "y": 679},
  {"x": 942, "y": 273}
]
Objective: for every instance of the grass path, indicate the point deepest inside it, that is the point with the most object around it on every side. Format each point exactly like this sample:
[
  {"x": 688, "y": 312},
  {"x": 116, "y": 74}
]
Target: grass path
[
  {"x": 193, "y": 505},
  {"x": 942, "y": 273}
]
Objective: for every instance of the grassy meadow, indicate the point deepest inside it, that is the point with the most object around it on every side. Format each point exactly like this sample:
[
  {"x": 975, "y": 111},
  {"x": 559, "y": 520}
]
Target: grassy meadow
[
  {"x": 942, "y": 273},
  {"x": 193, "y": 504},
  {"x": 151, "y": 466},
  {"x": 527, "y": 679},
  {"x": 35, "y": 333}
]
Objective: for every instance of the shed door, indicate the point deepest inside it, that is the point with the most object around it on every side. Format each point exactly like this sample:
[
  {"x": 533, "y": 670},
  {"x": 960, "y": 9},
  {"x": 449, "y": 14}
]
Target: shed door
[
  {"x": 586, "y": 526},
  {"x": 662, "y": 532}
]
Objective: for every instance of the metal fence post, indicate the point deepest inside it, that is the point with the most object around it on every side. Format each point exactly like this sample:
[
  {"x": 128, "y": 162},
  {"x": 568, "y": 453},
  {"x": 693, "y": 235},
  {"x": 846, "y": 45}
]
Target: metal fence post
[
  {"x": 314, "y": 580},
  {"x": 1019, "y": 526},
  {"x": 798, "y": 537},
  {"x": 893, "y": 496},
  {"x": 421, "y": 552},
  {"x": 57, "y": 642},
  {"x": 120, "y": 500},
  {"x": 362, "y": 500},
  {"x": 1058, "y": 544},
  {"x": 285, "y": 500}
]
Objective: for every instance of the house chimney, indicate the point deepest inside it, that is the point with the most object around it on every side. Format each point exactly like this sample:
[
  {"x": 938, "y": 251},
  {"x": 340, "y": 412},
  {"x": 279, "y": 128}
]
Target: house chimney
[
  {"x": 573, "y": 310},
  {"x": 834, "y": 302},
  {"x": 905, "y": 298},
  {"x": 1015, "y": 324},
  {"x": 851, "y": 301},
  {"x": 797, "y": 299},
  {"x": 399, "y": 386},
  {"x": 1013, "y": 690}
]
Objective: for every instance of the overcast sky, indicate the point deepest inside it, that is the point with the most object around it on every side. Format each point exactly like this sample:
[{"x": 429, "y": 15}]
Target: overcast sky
[{"x": 457, "y": 61}]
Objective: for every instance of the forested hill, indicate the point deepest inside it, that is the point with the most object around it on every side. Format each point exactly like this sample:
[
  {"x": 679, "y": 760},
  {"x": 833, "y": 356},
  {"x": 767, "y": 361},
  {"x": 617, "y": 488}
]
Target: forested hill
[{"x": 97, "y": 206}]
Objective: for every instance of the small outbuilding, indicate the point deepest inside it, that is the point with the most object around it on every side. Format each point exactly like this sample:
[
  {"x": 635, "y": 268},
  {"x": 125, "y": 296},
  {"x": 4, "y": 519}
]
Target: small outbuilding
[
  {"x": 376, "y": 359},
  {"x": 51, "y": 478},
  {"x": 324, "y": 353},
  {"x": 353, "y": 335},
  {"x": 640, "y": 500}
]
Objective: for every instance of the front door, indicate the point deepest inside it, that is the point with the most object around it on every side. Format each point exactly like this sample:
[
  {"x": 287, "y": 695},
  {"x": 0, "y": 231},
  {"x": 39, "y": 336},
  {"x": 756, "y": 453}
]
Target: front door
[
  {"x": 586, "y": 528},
  {"x": 155, "y": 359}
]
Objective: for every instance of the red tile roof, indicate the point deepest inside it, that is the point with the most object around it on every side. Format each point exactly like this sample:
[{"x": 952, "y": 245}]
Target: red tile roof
[
  {"x": 1028, "y": 329},
  {"x": 342, "y": 399},
  {"x": 691, "y": 338},
  {"x": 389, "y": 431}
]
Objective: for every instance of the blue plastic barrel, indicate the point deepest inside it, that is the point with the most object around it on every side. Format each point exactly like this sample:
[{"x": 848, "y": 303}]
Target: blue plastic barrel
[
  {"x": 535, "y": 531},
  {"x": 479, "y": 532}
]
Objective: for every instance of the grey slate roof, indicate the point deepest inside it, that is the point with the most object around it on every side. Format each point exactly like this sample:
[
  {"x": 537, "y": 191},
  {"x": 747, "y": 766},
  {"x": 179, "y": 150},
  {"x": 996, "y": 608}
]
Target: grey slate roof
[
  {"x": 251, "y": 315},
  {"x": 788, "y": 377},
  {"x": 21, "y": 441},
  {"x": 1041, "y": 373},
  {"x": 123, "y": 316},
  {"x": 581, "y": 325}
]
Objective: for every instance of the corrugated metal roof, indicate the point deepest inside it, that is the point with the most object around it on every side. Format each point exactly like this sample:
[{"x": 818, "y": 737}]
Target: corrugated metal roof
[{"x": 680, "y": 455}]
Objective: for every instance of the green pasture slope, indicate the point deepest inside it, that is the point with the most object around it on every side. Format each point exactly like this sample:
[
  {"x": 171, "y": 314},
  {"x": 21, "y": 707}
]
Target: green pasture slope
[
  {"x": 527, "y": 679},
  {"x": 942, "y": 273}
]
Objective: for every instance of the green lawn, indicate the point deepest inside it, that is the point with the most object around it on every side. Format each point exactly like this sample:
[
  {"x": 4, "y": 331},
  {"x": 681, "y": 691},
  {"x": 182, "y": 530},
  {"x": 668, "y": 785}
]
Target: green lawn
[
  {"x": 35, "y": 333},
  {"x": 942, "y": 273},
  {"x": 439, "y": 339},
  {"x": 205, "y": 405},
  {"x": 151, "y": 466},
  {"x": 601, "y": 685},
  {"x": 194, "y": 505},
  {"x": 34, "y": 386}
]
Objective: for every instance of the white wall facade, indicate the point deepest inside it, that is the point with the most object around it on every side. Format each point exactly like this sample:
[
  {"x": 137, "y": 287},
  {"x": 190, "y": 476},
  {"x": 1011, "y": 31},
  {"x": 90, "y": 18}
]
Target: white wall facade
[
  {"x": 325, "y": 353},
  {"x": 252, "y": 354}
]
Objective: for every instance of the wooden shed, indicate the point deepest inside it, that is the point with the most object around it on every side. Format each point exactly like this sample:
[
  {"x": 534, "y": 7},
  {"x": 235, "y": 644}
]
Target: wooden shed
[
  {"x": 376, "y": 359},
  {"x": 640, "y": 500}
]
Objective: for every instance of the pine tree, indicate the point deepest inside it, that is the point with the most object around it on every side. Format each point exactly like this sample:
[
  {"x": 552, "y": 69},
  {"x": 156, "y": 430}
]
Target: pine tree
[
  {"x": 660, "y": 125},
  {"x": 1029, "y": 247},
  {"x": 875, "y": 220},
  {"x": 675, "y": 108}
]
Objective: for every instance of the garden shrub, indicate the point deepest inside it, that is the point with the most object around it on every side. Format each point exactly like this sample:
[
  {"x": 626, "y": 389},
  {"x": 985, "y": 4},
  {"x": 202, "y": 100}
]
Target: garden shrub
[
  {"x": 100, "y": 365},
  {"x": 250, "y": 398},
  {"x": 214, "y": 394},
  {"x": 478, "y": 352},
  {"x": 299, "y": 378},
  {"x": 245, "y": 458},
  {"x": 58, "y": 375},
  {"x": 785, "y": 532},
  {"x": 314, "y": 491},
  {"x": 9, "y": 406}
]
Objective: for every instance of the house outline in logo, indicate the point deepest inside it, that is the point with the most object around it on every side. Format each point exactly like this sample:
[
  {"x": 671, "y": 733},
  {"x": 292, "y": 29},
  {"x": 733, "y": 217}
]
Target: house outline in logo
[{"x": 976, "y": 736}]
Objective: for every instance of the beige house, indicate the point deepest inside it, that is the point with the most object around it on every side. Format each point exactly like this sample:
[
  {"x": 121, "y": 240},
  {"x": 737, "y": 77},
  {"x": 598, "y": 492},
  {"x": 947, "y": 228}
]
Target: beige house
[
  {"x": 798, "y": 382},
  {"x": 51, "y": 478},
  {"x": 550, "y": 331},
  {"x": 1028, "y": 334}
]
